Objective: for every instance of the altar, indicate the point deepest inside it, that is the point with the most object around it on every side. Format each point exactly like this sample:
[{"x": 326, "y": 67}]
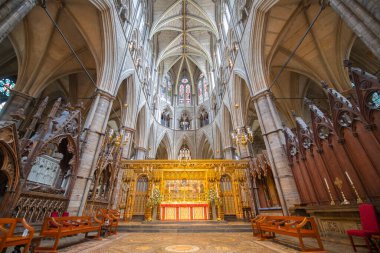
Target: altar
[
  {"x": 182, "y": 188},
  {"x": 184, "y": 211}
]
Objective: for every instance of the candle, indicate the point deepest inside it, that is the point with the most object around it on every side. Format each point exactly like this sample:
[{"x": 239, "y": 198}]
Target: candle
[
  {"x": 348, "y": 176},
  {"x": 328, "y": 189},
  {"x": 326, "y": 184},
  {"x": 358, "y": 199}
]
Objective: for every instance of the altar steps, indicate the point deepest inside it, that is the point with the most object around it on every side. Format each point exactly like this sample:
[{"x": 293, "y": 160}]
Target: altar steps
[{"x": 186, "y": 227}]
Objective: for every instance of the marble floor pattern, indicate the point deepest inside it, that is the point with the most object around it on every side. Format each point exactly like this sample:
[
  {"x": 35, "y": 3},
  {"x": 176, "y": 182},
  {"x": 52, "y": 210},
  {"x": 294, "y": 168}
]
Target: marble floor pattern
[
  {"x": 177, "y": 242},
  {"x": 189, "y": 242}
]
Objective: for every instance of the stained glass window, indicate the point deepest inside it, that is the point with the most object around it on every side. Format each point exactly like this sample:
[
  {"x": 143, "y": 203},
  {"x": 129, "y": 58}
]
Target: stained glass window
[
  {"x": 373, "y": 100},
  {"x": 6, "y": 85},
  {"x": 203, "y": 89},
  {"x": 181, "y": 93},
  {"x": 184, "y": 94},
  {"x": 166, "y": 89},
  {"x": 200, "y": 90},
  {"x": 188, "y": 94},
  {"x": 169, "y": 89}
]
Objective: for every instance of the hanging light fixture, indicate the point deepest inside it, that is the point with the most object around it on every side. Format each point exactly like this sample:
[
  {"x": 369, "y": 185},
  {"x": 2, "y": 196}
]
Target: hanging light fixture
[{"x": 242, "y": 135}]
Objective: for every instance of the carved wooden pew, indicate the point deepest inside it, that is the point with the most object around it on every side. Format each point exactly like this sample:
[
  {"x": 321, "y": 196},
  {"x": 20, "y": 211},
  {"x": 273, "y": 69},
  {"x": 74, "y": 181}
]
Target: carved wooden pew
[
  {"x": 58, "y": 227},
  {"x": 111, "y": 220},
  {"x": 254, "y": 223},
  {"x": 9, "y": 239},
  {"x": 295, "y": 226}
]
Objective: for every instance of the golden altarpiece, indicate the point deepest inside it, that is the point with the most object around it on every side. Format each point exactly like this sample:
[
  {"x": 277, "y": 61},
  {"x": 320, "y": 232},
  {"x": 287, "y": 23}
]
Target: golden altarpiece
[{"x": 184, "y": 186}]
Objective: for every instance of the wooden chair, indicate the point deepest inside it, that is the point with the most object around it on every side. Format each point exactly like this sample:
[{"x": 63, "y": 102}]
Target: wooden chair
[
  {"x": 370, "y": 226},
  {"x": 376, "y": 238}
]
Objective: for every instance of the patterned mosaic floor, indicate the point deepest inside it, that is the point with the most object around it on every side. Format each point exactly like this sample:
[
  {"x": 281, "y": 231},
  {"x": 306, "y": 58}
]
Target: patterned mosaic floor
[
  {"x": 162, "y": 243},
  {"x": 188, "y": 242}
]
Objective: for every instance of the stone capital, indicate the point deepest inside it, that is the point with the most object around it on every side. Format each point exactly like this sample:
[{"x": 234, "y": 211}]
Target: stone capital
[
  {"x": 141, "y": 148},
  {"x": 105, "y": 94},
  {"x": 261, "y": 94},
  {"x": 128, "y": 129},
  {"x": 230, "y": 147},
  {"x": 21, "y": 94}
]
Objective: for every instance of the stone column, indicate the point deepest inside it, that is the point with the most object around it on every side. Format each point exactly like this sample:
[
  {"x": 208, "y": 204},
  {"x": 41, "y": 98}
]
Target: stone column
[
  {"x": 229, "y": 152},
  {"x": 361, "y": 21},
  {"x": 140, "y": 153},
  {"x": 13, "y": 12},
  {"x": 16, "y": 101},
  {"x": 95, "y": 128},
  {"x": 274, "y": 141},
  {"x": 128, "y": 140},
  {"x": 8, "y": 7}
]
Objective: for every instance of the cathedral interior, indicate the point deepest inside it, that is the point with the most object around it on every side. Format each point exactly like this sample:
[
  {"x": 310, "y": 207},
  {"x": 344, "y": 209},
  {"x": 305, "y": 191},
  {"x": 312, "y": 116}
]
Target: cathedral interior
[{"x": 189, "y": 125}]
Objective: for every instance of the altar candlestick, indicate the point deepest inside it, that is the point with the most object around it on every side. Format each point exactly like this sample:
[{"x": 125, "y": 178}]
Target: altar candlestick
[
  {"x": 349, "y": 178},
  {"x": 339, "y": 183},
  {"x": 328, "y": 189},
  {"x": 358, "y": 199}
]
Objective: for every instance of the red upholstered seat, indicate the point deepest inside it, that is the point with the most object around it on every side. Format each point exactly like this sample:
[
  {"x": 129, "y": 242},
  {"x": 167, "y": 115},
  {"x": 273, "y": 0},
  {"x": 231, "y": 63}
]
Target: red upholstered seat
[
  {"x": 362, "y": 233},
  {"x": 54, "y": 214},
  {"x": 369, "y": 223}
]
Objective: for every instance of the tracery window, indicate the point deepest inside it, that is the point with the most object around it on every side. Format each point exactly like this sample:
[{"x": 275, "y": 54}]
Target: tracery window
[
  {"x": 200, "y": 90},
  {"x": 184, "y": 93},
  {"x": 6, "y": 85},
  {"x": 203, "y": 89},
  {"x": 373, "y": 101},
  {"x": 184, "y": 153},
  {"x": 166, "y": 89}
]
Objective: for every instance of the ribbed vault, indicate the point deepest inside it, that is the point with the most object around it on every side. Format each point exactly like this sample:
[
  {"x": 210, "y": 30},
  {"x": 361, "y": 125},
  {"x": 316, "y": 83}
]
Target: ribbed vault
[{"x": 184, "y": 32}]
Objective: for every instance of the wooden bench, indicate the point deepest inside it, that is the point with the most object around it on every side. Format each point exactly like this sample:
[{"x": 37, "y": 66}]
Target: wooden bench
[
  {"x": 295, "y": 226},
  {"x": 58, "y": 227},
  {"x": 254, "y": 223},
  {"x": 8, "y": 237},
  {"x": 110, "y": 220}
]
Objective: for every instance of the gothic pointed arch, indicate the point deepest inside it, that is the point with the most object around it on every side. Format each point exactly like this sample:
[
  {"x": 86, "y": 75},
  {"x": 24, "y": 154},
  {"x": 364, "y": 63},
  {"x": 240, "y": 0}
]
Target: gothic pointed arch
[
  {"x": 205, "y": 147},
  {"x": 142, "y": 128},
  {"x": 164, "y": 150}
]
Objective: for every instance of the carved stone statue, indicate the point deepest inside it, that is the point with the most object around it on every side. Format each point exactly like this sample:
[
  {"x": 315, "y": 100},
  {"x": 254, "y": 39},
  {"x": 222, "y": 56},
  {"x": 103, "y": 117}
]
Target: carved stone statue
[{"x": 124, "y": 10}]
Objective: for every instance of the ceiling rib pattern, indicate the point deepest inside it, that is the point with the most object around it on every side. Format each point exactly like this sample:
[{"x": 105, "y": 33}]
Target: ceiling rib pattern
[{"x": 191, "y": 29}]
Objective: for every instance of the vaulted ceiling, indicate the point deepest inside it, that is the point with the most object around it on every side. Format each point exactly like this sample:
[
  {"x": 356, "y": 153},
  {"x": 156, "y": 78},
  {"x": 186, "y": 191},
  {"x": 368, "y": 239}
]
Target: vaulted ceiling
[{"x": 184, "y": 31}]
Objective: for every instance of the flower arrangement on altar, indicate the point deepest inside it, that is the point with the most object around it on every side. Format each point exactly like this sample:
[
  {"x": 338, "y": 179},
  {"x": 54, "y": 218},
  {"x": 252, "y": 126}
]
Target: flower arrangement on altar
[
  {"x": 155, "y": 199},
  {"x": 213, "y": 196}
]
